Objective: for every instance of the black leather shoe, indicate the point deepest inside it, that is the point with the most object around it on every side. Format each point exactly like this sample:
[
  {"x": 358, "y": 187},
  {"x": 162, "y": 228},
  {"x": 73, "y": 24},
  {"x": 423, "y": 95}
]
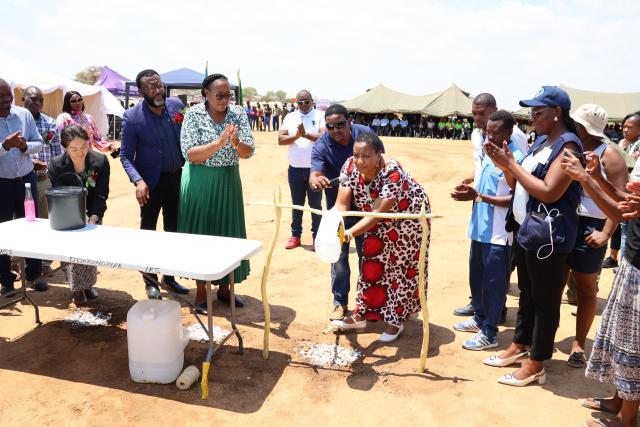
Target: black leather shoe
[
  {"x": 91, "y": 293},
  {"x": 153, "y": 291},
  {"x": 464, "y": 311},
  {"x": 7, "y": 290},
  {"x": 225, "y": 299},
  {"x": 177, "y": 287},
  {"x": 40, "y": 285}
]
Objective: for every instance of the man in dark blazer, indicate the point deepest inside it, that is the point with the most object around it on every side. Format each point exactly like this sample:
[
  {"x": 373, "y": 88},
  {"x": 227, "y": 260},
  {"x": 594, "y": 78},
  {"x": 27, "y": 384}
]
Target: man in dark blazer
[{"x": 151, "y": 156}]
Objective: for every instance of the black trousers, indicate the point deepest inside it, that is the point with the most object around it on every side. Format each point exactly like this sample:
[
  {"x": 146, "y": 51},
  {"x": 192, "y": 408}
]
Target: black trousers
[
  {"x": 12, "y": 206},
  {"x": 166, "y": 197},
  {"x": 540, "y": 283}
]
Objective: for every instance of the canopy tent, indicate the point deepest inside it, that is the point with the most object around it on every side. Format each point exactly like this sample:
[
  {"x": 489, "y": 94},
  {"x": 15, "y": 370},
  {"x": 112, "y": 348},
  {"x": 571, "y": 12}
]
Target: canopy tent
[
  {"x": 182, "y": 78},
  {"x": 617, "y": 105},
  {"x": 97, "y": 100},
  {"x": 381, "y": 99},
  {"x": 114, "y": 82},
  {"x": 451, "y": 101}
]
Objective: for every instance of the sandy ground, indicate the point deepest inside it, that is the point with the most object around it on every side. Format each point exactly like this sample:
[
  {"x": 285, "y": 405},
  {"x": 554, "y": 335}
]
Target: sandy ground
[{"x": 55, "y": 375}]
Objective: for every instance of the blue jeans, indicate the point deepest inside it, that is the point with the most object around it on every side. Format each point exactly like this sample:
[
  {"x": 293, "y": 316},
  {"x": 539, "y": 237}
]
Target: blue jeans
[
  {"x": 624, "y": 229},
  {"x": 300, "y": 189},
  {"x": 340, "y": 270},
  {"x": 489, "y": 270},
  {"x": 12, "y": 206}
]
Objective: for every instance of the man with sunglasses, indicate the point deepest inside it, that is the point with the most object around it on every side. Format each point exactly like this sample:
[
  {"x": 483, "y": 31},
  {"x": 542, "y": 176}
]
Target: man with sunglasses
[
  {"x": 329, "y": 153},
  {"x": 300, "y": 130},
  {"x": 152, "y": 158}
]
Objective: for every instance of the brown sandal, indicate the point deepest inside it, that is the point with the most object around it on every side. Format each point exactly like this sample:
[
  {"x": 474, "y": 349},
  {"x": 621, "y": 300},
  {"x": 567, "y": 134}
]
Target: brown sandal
[{"x": 595, "y": 403}]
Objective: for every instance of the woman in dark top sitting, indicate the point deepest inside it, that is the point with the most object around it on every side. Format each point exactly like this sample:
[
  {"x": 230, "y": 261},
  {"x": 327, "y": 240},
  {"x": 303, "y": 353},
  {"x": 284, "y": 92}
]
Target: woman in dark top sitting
[
  {"x": 545, "y": 206},
  {"x": 79, "y": 164}
]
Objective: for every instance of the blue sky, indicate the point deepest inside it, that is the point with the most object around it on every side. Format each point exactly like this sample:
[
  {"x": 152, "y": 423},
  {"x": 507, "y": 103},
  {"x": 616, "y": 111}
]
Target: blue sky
[{"x": 339, "y": 49}]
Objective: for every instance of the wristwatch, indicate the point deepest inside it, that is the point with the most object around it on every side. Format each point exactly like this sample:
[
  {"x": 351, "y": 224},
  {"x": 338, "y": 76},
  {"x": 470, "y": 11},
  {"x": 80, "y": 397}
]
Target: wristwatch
[{"x": 478, "y": 198}]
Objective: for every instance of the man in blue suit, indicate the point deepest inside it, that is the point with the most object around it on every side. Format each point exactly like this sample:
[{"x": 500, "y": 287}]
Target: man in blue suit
[{"x": 151, "y": 156}]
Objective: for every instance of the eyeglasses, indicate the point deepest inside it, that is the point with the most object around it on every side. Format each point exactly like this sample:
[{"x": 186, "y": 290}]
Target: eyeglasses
[
  {"x": 304, "y": 102},
  {"x": 534, "y": 114},
  {"x": 220, "y": 96},
  {"x": 337, "y": 125},
  {"x": 76, "y": 100}
]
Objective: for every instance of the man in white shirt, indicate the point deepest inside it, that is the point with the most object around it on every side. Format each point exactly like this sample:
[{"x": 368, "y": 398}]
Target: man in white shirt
[
  {"x": 482, "y": 107},
  {"x": 375, "y": 124},
  {"x": 300, "y": 129}
]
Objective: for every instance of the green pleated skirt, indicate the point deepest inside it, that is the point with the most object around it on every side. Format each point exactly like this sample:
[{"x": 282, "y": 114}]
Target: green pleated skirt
[{"x": 211, "y": 203}]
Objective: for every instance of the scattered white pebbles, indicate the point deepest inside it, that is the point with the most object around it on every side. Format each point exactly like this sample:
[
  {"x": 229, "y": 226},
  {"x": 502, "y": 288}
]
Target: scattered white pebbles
[
  {"x": 327, "y": 355},
  {"x": 81, "y": 318},
  {"x": 196, "y": 333}
]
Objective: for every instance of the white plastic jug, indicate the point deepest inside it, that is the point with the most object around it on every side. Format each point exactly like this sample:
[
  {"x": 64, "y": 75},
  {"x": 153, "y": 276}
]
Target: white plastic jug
[
  {"x": 328, "y": 243},
  {"x": 156, "y": 341}
]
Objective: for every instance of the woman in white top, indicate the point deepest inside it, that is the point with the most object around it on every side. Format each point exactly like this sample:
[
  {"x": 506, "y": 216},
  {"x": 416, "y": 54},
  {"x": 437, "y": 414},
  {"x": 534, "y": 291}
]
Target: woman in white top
[{"x": 595, "y": 229}]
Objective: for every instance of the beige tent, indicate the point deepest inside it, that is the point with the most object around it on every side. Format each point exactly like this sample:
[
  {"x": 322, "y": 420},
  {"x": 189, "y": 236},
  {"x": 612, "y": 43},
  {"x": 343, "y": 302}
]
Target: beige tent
[
  {"x": 617, "y": 105},
  {"x": 97, "y": 99},
  {"x": 381, "y": 99},
  {"x": 451, "y": 101}
]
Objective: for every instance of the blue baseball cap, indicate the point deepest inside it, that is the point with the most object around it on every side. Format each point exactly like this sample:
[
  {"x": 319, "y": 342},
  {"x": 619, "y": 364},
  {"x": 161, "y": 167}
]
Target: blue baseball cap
[{"x": 549, "y": 96}]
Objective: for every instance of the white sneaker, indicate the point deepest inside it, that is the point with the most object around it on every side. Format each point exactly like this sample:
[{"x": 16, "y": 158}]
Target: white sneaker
[
  {"x": 386, "y": 338},
  {"x": 468, "y": 325},
  {"x": 480, "y": 342}
]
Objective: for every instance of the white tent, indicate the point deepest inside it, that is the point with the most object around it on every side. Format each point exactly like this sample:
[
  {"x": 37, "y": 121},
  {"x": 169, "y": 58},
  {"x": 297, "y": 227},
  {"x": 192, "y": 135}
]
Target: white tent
[{"x": 97, "y": 100}]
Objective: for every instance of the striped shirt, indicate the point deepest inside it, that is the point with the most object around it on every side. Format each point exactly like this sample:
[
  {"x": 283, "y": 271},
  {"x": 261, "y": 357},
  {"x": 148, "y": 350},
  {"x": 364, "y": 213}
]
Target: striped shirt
[{"x": 52, "y": 149}]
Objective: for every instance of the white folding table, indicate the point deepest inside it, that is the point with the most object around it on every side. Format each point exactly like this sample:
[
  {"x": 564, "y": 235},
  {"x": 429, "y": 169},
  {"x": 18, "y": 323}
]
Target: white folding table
[{"x": 192, "y": 256}]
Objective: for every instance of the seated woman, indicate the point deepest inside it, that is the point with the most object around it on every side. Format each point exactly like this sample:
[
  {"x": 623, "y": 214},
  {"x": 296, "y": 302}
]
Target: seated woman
[
  {"x": 78, "y": 164},
  {"x": 388, "y": 283},
  {"x": 73, "y": 114}
]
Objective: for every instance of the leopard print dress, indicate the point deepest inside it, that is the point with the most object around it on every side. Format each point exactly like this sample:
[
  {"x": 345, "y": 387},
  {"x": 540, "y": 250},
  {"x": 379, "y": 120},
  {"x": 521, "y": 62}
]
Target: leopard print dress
[{"x": 388, "y": 282}]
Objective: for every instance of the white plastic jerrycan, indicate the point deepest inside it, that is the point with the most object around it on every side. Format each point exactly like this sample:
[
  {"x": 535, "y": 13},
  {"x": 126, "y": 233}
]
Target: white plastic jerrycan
[
  {"x": 329, "y": 237},
  {"x": 156, "y": 341}
]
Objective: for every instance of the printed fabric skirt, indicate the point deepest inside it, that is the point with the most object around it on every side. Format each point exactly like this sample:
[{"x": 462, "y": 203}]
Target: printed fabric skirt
[
  {"x": 211, "y": 203},
  {"x": 615, "y": 357},
  {"x": 81, "y": 277}
]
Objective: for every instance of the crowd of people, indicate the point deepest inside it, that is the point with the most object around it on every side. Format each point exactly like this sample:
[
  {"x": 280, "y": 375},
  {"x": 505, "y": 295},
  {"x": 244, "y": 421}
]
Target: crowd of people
[
  {"x": 547, "y": 210},
  {"x": 265, "y": 118}
]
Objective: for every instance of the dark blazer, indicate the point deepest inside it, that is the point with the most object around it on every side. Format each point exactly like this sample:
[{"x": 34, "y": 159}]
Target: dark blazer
[
  {"x": 140, "y": 151},
  {"x": 62, "y": 173}
]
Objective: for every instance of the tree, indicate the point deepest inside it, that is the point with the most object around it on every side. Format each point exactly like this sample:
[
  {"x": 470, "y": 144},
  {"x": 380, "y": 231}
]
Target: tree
[
  {"x": 250, "y": 93},
  {"x": 269, "y": 96},
  {"x": 281, "y": 96},
  {"x": 89, "y": 75}
]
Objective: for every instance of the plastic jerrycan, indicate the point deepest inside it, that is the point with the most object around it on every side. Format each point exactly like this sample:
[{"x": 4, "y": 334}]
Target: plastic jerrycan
[
  {"x": 328, "y": 239},
  {"x": 156, "y": 341}
]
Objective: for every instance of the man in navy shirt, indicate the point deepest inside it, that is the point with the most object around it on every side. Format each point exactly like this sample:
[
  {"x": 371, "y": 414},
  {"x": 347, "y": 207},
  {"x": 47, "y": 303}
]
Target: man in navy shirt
[
  {"x": 151, "y": 157},
  {"x": 329, "y": 153}
]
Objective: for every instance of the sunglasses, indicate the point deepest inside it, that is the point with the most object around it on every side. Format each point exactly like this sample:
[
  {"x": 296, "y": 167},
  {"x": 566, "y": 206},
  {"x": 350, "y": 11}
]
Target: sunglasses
[
  {"x": 534, "y": 114},
  {"x": 304, "y": 102},
  {"x": 220, "y": 96},
  {"x": 336, "y": 125},
  {"x": 76, "y": 100}
]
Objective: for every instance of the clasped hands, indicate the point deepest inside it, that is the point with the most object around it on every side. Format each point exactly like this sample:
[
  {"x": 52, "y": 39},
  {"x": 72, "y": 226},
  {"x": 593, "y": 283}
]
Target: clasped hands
[
  {"x": 15, "y": 140},
  {"x": 230, "y": 133}
]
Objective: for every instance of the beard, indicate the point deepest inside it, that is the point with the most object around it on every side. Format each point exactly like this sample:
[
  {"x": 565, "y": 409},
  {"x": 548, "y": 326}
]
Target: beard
[{"x": 153, "y": 101}]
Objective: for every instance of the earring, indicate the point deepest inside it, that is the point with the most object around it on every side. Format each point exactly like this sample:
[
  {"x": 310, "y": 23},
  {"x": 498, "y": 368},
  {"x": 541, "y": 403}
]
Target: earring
[{"x": 555, "y": 119}]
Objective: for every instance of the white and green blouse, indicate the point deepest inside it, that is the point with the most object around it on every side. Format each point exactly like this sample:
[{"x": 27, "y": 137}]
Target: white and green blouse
[{"x": 199, "y": 129}]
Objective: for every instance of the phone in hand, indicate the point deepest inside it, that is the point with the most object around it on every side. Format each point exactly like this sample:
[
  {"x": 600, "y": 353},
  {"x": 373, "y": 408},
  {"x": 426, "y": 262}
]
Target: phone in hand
[{"x": 580, "y": 156}]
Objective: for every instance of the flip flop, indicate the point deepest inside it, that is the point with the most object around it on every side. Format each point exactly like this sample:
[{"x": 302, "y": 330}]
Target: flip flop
[
  {"x": 595, "y": 404},
  {"x": 577, "y": 360}
]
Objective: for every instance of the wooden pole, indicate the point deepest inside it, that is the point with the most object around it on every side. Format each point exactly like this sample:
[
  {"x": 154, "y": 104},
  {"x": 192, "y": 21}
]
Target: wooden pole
[
  {"x": 277, "y": 200},
  {"x": 346, "y": 213},
  {"x": 423, "y": 290}
]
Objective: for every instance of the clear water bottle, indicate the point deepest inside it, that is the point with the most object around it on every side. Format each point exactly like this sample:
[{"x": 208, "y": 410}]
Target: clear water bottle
[{"x": 29, "y": 204}]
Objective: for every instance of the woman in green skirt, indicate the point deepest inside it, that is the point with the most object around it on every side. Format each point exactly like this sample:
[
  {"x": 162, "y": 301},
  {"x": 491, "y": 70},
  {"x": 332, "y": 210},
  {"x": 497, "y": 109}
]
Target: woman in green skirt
[{"x": 215, "y": 135}]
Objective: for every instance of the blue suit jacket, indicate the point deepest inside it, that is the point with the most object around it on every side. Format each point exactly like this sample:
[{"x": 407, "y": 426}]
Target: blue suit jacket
[{"x": 140, "y": 150}]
